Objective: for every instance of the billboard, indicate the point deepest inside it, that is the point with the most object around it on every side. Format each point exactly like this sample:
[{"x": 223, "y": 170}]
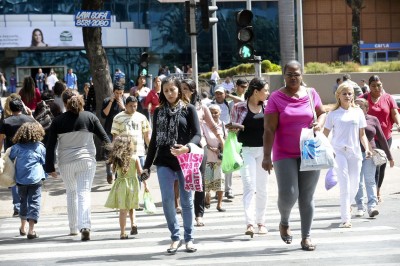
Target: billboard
[{"x": 36, "y": 38}]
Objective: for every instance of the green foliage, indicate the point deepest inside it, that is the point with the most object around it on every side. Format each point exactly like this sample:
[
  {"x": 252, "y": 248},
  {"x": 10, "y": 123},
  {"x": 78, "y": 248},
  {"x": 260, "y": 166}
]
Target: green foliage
[
  {"x": 318, "y": 68},
  {"x": 266, "y": 66},
  {"x": 385, "y": 66},
  {"x": 336, "y": 64},
  {"x": 351, "y": 67}
]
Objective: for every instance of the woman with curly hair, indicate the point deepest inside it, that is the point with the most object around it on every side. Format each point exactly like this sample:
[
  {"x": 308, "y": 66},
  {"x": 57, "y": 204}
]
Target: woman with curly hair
[
  {"x": 124, "y": 194},
  {"x": 29, "y": 173},
  {"x": 72, "y": 133},
  {"x": 30, "y": 95}
]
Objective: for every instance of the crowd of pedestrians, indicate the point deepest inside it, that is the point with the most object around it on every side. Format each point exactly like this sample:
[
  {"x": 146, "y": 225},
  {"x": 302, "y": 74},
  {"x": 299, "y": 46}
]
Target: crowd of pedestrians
[{"x": 154, "y": 126}]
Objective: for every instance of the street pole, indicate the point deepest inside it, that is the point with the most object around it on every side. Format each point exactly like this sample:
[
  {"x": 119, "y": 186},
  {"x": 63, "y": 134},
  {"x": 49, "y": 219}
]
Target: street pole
[
  {"x": 215, "y": 38},
  {"x": 300, "y": 41},
  {"x": 257, "y": 66},
  {"x": 193, "y": 41},
  {"x": 248, "y": 4}
]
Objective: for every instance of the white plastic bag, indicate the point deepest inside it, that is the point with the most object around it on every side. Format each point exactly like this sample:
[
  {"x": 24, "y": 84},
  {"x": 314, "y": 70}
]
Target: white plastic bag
[
  {"x": 316, "y": 151},
  {"x": 7, "y": 170}
]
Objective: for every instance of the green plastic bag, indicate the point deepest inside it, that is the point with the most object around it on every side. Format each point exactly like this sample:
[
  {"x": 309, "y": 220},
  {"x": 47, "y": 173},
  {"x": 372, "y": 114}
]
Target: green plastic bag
[
  {"x": 149, "y": 206},
  {"x": 231, "y": 158}
]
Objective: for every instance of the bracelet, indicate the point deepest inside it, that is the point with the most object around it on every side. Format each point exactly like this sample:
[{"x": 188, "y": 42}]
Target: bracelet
[{"x": 187, "y": 145}]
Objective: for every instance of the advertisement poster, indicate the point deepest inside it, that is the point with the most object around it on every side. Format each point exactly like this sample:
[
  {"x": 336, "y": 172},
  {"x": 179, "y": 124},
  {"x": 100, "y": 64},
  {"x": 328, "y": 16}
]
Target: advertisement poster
[{"x": 41, "y": 38}]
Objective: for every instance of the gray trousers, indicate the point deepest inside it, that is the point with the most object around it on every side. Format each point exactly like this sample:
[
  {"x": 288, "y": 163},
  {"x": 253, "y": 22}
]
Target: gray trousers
[{"x": 293, "y": 185}]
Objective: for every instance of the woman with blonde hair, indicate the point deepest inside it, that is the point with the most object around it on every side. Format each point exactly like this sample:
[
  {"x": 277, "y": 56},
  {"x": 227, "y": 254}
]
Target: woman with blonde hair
[
  {"x": 347, "y": 123},
  {"x": 72, "y": 133}
]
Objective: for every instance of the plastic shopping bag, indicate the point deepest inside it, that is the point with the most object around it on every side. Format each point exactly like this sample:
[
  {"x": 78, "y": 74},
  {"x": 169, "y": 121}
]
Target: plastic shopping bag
[
  {"x": 190, "y": 164},
  {"x": 316, "y": 151},
  {"x": 231, "y": 158},
  {"x": 149, "y": 206},
  {"x": 330, "y": 179}
]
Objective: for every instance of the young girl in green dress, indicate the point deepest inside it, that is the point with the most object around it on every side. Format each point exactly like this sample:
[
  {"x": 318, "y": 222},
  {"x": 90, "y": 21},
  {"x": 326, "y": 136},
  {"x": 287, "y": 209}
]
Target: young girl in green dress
[{"x": 124, "y": 194}]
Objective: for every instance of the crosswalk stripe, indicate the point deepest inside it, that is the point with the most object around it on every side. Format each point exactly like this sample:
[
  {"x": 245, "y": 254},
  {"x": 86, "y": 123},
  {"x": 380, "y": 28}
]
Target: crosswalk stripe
[{"x": 238, "y": 245}]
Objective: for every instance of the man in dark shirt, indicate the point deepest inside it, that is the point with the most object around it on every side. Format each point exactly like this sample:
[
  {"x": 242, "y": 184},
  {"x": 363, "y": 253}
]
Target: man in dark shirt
[
  {"x": 112, "y": 106},
  {"x": 8, "y": 128}
]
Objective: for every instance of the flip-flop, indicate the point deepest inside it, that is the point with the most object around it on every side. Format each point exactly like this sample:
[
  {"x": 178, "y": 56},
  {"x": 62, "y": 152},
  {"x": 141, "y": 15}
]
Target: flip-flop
[
  {"x": 173, "y": 250},
  {"x": 199, "y": 222},
  {"x": 22, "y": 233},
  {"x": 287, "y": 238},
  {"x": 307, "y": 247},
  {"x": 124, "y": 236}
]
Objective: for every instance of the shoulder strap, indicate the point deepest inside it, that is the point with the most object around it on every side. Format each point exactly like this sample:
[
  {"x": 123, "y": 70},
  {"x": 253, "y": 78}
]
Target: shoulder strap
[{"x": 312, "y": 104}]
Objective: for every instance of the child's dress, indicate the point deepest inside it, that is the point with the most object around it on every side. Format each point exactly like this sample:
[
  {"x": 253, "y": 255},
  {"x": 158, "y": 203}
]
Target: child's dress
[{"x": 124, "y": 193}]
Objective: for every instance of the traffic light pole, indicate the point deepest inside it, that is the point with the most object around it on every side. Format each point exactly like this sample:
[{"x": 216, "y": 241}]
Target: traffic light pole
[
  {"x": 257, "y": 66},
  {"x": 215, "y": 38},
  {"x": 193, "y": 42}
]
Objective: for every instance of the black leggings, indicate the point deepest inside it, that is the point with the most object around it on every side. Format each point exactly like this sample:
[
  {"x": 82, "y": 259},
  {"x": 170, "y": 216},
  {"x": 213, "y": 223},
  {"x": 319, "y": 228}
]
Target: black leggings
[
  {"x": 380, "y": 170},
  {"x": 199, "y": 196}
]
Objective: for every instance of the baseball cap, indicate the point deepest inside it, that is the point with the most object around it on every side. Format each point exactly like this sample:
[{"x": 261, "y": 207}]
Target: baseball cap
[{"x": 219, "y": 89}]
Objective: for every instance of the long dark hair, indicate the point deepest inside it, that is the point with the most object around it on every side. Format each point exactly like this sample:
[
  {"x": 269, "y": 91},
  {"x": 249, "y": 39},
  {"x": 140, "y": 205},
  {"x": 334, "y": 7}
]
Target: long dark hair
[
  {"x": 255, "y": 84},
  {"x": 174, "y": 80},
  {"x": 28, "y": 90},
  {"x": 195, "y": 99}
]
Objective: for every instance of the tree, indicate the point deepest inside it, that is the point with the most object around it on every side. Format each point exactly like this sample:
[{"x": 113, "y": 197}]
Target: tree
[
  {"x": 356, "y": 8},
  {"x": 286, "y": 31},
  {"x": 98, "y": 62}
]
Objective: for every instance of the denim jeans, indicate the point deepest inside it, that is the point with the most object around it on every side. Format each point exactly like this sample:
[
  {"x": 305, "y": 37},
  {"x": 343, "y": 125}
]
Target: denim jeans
[
  {"x": 30, "y": 196},
  {"x": 367, "y": 175},
  {"x": 15, "y": 197},
  {"x": 166, "y": 179}
]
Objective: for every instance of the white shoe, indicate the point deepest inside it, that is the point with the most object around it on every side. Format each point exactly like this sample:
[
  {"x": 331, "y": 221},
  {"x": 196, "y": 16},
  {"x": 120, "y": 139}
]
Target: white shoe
[
  {"x": 345, "y": 225},
  {"x": 360, "y": 213},
  {"x": 373, "y": 212}
]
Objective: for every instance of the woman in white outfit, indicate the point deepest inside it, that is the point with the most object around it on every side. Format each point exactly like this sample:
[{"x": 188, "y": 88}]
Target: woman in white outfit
[
  {"x": 347, "y": 123},
  {"x": 250, "y": 114}
]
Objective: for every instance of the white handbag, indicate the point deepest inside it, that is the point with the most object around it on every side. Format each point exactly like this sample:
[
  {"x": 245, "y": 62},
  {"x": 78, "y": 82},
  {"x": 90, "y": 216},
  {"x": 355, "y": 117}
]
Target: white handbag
[{"x": 379, "y": 157}]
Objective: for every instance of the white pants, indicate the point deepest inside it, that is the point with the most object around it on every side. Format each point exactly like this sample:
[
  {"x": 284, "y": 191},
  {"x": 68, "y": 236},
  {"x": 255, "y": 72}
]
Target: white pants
[
  {"x": 348, "y": 171},
  {"x": 78, "y": 178},
  {"x": 255, "y": 180}
]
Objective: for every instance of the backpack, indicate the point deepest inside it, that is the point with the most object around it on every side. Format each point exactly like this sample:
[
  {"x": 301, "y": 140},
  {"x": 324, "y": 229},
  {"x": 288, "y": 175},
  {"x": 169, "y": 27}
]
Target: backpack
[{"x": 43, "y": 115}]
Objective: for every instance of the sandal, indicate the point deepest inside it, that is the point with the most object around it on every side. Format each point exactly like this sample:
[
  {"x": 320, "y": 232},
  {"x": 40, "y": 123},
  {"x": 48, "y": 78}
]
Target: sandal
[
  {"x": 172, "y": 249},
  {"x": 249, "y": 231},
  {"x": 134, "y": 230},
  {"x": 262, "y": 230},
  {"x": 307, "y": 247},
  {"x": 190, "y": 247},
  {"x": 285, "y": 233},
  {"x": 123, "y": 236},
  {"x": 199, "y": 221},
  {"x": 32, "y": 236},
  {"x": 22, "y": 233}
]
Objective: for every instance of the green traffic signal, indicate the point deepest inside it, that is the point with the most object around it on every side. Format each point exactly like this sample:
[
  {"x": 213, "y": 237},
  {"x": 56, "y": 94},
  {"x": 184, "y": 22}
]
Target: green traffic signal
[
  {"x": 246, "y": 51},
  {"x": 143, "y": 72}
]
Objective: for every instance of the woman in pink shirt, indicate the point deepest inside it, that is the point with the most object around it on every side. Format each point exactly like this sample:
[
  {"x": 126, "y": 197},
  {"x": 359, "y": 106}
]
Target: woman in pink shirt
[
  {"x": 383, "y": 106},
  {"x": 287, "y": 112}
]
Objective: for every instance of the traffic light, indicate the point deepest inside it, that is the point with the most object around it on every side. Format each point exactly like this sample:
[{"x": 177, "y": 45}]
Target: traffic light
[
  {"x": 207, "y": 19},
  {"x": 245, "y": 34},
  {"x": 144, "y": 64}
]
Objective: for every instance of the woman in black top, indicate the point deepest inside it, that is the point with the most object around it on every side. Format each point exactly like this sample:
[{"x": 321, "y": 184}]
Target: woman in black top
[
  {"x": 250, "y": 114},
  {"x": 175, "y": 125}
]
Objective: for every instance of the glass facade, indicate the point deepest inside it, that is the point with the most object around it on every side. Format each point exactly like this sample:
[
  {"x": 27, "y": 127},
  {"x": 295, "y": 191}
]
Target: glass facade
[{"x": 170, "y": 44}]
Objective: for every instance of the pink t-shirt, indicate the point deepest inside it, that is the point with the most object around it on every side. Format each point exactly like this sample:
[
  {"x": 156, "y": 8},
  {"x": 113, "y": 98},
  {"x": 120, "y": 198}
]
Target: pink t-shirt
[
  {"x": 294, "y": 114},
  {"x": 382, "y": 110}
]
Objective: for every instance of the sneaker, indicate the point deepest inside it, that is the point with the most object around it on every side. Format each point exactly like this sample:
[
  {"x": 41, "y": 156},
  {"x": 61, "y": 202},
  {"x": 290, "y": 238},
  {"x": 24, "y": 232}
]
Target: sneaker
[
  {"x": 229, "y": 195},
  {"x": 373, "y": 212},
  {"x": 345, "y": 225},
  {"x": 15, "y": 214},
  {"x": 85, "y": 234},
  {"x": 360, "y": 213}
]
